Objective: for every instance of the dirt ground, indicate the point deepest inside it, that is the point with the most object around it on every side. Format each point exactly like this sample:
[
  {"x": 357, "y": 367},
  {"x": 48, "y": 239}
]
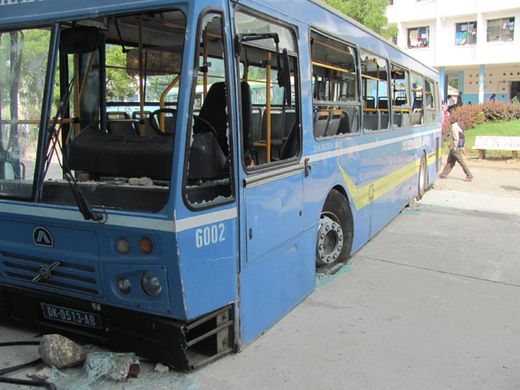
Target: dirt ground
[{"x": 491, "y": 177}]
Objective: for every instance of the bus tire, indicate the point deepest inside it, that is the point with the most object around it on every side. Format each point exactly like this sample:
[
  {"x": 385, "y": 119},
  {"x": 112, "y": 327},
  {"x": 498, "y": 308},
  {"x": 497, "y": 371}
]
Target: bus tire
[
  {"x": 421, "y": 184},
  {"x": 335, "y": 234}
]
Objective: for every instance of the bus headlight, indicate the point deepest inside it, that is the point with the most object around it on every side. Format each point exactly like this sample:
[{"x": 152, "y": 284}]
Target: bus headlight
[
  {"x": 151, "y": 284},
  {"x": 124, "y": 285}
]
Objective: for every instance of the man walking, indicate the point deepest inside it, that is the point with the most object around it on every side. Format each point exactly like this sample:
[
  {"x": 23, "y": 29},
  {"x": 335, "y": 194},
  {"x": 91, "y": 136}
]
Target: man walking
[{"x": 456, "y": 146}]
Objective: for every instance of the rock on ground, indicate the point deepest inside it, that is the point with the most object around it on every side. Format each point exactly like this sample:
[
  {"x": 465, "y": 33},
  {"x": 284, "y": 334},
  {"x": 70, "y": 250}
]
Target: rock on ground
[{"x": 60, "y": 352}]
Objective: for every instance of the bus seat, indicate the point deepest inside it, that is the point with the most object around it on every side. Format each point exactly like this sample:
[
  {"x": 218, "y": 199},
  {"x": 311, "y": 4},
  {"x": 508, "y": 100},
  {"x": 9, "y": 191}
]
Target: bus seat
[
  {"x": 290, "y": 118},
  {"x": 206, "y": 161},
  {"x": 105, "y": 154},
  {"x": 148, "y": 129},
  {"x": 214, "y": 111},
  {"x": 398, "y": 116},
  {"x": 344, "y": 123},
  {"x": 120, "y": 123},
  {"x": 400, "y": 101},
  {"x": 370, "y": 102},
  {"x": 417, "y": 103},
  {"x": 334, "y": 122},
  {"x": 247, "y": 124},
  {"x": 405, "y": 121},
  {"x": 321, "y": 119},
  {"x": 371, "y": 121},
  {"x": 349, "y": 121},
  {"x": 382, "y": 103},
  {"x": 417, "y": 116},
  {"x": 276, "y": 127},
  {"x": 291, "y": 145},
  {"x": 354, "y": 124},
  {"x": 385, "y": 120},
  {"x": 256, "y": 124}
]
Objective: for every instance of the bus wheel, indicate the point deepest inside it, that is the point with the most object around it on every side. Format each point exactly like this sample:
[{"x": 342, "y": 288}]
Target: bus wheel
[
  {"x": 335, "y": 234},
  {"x": 421, "y": 186}
]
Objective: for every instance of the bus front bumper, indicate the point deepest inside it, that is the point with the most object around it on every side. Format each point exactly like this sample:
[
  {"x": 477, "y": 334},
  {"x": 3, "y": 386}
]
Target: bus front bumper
[{"x": 178, "y": 344}]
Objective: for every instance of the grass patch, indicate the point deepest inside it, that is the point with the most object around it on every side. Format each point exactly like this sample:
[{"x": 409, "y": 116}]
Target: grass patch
[{"x": 500, "y": 129}]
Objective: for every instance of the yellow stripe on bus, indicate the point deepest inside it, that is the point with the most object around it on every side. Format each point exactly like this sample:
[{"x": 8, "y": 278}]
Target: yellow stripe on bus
[{"x": 367, "y": 194}]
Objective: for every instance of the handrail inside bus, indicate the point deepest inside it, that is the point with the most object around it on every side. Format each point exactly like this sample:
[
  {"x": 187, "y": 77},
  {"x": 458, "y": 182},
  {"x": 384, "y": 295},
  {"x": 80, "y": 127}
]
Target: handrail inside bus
[{"x": 163, "y": 98}]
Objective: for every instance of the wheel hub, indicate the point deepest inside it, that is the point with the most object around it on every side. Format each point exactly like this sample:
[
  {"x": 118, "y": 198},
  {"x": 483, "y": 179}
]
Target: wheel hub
[{"x": 330, "y": 241}]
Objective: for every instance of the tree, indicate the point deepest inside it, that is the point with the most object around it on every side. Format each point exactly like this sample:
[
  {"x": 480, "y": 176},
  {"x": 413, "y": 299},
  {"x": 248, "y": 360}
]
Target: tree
[
  {"x": 120, "y": 86},
  {"x": 370, "y": 13}
]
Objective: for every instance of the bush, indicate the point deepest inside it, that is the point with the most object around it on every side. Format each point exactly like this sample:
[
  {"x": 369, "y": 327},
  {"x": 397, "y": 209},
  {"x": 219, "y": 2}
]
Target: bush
[
  {"x": 470, "y": 116},
  {"x": 499, "y": 111}
]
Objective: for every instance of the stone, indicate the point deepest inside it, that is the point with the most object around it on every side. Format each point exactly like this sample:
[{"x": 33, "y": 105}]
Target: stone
[
  {"x": 60, "y": 352},
  {"x": 161, "y": 368},
  {"x": 42, "y": 375}
]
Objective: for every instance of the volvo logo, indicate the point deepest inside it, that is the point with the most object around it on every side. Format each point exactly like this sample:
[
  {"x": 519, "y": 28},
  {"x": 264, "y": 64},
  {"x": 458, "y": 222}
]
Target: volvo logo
[
  {"x": 42, "y": 237},
  {"x": 45, "y": 271}
]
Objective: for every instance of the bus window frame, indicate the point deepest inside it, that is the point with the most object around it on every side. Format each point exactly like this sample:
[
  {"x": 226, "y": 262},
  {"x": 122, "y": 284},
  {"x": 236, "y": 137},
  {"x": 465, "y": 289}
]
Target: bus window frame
[
  {"x": 408, "y": 96},
  {"x": 388, "y": 91},
  {"x": 296, "y": 91},
  {"x": 353, "y": 103},
  {"x": 190, "y": 123},
  {"x": 435, "y": 104},
  {"x": 423, "y": 121}
]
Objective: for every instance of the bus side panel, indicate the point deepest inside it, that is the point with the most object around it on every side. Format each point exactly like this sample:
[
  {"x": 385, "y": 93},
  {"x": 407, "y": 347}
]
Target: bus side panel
[
  {"x": 398, "y": 183},
  {"x": 273, "y": 285},
  {"x": 326, "y": 173}
]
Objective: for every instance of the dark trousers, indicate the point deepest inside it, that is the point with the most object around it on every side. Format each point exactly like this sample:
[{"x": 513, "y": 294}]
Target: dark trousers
[{"x": 455, "y": 156}]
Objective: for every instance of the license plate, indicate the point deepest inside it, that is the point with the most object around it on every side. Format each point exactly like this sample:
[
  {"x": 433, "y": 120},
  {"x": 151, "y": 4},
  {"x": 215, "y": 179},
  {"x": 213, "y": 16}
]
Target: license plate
[{"x": 82, "y": 318}]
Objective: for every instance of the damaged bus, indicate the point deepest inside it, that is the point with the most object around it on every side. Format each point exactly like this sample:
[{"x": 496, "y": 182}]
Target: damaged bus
[{"x": 173, "y": 173}]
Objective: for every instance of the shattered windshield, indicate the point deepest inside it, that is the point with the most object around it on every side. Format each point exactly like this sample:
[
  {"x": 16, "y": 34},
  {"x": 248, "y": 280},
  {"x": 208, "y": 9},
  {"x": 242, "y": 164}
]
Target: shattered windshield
[{"x": 110, "y": 133}]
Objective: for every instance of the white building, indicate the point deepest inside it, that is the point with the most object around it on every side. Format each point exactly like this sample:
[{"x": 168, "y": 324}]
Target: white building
[{"x": 473, "y": 41}]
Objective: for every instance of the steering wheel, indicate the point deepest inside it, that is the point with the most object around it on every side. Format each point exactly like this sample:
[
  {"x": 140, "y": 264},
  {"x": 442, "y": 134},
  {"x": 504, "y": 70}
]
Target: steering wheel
[
  {"x": 153, "y": 121},
  {"x": 208, "y": 127}
]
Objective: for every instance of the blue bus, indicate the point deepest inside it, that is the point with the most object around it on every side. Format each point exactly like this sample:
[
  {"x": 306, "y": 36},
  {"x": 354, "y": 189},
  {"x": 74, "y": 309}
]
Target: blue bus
[{"x": 173, "y": 173}]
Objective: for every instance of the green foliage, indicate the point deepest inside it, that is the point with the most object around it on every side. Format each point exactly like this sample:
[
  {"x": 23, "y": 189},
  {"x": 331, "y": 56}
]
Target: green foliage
[
  {"x": 120, "y": 86},
  {"x": 30, "y": 52},
  {"x": 371, "y": 13},
  {"x": 502, "y": 129},
  {"x": 454, "y": 83},
  {"x": 488, "y": 119},
  {"x": 499, "y": 111},
  {"x": 470, "y": 116}
]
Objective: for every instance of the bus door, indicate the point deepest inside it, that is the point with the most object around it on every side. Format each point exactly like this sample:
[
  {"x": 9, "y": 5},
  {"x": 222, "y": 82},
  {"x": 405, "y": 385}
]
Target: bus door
[{"x": 275, "y": 275}]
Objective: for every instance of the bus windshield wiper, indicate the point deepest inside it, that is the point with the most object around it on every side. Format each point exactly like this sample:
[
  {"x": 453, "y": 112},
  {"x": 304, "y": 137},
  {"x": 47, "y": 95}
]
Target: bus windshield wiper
[{"x": 53, "y": 146}]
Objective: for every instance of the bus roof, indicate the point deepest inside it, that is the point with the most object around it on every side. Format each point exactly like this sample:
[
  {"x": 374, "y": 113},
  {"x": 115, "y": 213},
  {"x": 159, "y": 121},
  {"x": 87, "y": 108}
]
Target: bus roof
[{"x": 18, "y": 12}]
